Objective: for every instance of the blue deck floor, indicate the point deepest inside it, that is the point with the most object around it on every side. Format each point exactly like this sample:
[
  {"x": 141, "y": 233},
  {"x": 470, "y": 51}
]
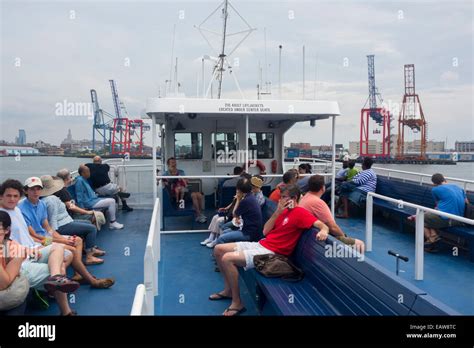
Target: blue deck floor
[
  {"x": 123, "y": 261},
  {"x": 448, "y": 278}
]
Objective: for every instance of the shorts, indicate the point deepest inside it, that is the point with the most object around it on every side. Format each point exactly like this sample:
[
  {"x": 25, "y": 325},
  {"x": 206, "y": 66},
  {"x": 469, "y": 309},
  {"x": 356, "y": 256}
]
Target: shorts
[
  {"x": 251, "y": 249},
  {"x": 108, "y": 190},
  {"x": 436, "y": 222}
]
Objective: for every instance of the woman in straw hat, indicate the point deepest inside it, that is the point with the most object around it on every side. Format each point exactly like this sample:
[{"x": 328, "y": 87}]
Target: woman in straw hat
[{"x": 60, "y": 221}]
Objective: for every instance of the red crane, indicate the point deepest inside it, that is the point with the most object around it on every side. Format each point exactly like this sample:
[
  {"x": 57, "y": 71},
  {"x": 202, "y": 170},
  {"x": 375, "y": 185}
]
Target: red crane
[{"x": 411, "y": 116}]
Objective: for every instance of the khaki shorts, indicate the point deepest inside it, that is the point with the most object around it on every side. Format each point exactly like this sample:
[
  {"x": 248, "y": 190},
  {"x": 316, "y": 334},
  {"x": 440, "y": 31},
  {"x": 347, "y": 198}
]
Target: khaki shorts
[{"x": 436, "y": 222}]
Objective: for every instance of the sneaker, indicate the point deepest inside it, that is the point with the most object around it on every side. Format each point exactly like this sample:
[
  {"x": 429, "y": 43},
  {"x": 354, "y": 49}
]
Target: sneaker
[
  {"x": 205, "y": 241},
  {"x": 60, "y": 283},
  {"x": 115, "y": 226},
  {"x": 212, "y": 244}
]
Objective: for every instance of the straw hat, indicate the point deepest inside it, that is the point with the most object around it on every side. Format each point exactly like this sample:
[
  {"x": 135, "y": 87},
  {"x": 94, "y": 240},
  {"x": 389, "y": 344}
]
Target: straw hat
[
  {"x": 256, "y": 181},
  {"x": 51, "y": 185},
  {"x": 99, "y": 219}
]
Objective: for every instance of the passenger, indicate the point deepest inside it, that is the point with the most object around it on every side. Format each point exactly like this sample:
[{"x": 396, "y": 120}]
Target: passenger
[
  {"x": 281, "y": 232},
  {"x": 289, "y": 178},
  {"x": 46, "y": 265},
  {"x": 219, "y": 220},
  {"x": 341, "y": 176},
  {"x": 357, "y": 189},
  {"x": 178, "y": 187},
  {"x": 450, "y": 199},
  {"x": 232, "y": 182},
  {"x": 62, "y": 222},
  {"x": 257, "y": 183},
  {"x": 100, "y": 182},
  {"x": 74, "y": 211},
  {"x": 315, "y": 205},
  {"x": 304, "y": 168},
  {"x": 87, "y": 198},
  {"x": 35, "y": 214},
  {"x": 9, "y": 266},
  {"x": 248, "y": 216},
  {"x": 352, "y": 171}
]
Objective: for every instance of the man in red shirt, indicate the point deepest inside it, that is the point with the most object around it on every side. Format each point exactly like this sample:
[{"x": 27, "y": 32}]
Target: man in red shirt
[{"x": 281, "y": 232}]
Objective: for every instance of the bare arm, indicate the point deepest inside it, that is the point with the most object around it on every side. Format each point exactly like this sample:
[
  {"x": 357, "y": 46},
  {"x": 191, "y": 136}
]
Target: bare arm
[
  {"x": 271, "y": 222},
  {"x": 34, "y": 235},
  {"x": 323, "y": 230},
  {"x": 75, "y": 209},
  {"x": 334, "y": 229},
  {"x": 8, "y": 274}
]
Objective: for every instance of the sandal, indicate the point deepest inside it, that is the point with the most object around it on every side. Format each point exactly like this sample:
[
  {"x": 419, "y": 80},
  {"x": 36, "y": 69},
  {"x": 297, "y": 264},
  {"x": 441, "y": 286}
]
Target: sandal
[
  {"x": 97, "y": 252},
  {"x": 61, "y": 283},
  {"x": 236, "y": 311}
]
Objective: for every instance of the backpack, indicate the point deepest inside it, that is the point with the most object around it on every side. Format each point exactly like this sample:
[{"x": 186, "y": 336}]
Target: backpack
[{"x": 277, "y": 266}]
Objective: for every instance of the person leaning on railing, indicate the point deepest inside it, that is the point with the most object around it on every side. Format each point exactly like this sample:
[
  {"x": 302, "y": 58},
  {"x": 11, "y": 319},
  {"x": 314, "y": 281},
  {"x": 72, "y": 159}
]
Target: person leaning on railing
[
  {"x": 450, "y": 199},
  {"x": 313, "y": 203}
]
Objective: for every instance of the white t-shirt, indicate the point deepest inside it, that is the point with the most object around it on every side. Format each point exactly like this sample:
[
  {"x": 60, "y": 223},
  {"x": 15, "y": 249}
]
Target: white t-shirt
[{"x": 19, "y": 229}]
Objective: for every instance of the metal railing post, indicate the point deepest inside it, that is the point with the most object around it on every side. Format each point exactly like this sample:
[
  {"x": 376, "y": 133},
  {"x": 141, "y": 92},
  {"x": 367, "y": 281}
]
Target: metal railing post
[
  {"x": 419, "y": 244},
  {"x": 369, "y": 222}
]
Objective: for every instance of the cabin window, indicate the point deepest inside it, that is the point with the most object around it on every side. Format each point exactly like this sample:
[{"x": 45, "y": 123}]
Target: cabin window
[
  {"x": 224, "y": 143},
  {"x": 262, "y": 143},
  {"x": 188, "y": 145}
]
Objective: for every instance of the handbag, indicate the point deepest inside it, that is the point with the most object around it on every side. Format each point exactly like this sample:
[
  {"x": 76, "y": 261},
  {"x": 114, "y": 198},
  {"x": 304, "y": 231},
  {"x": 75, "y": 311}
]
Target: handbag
[
  {"x": 15, "y": 294},
  {"x": 277, "y": 266},
  {"x": 469, "y": 211}
]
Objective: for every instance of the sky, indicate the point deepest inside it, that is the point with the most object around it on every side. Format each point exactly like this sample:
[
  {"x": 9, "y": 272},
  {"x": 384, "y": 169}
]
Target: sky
[{"x": 54, "y": 52}]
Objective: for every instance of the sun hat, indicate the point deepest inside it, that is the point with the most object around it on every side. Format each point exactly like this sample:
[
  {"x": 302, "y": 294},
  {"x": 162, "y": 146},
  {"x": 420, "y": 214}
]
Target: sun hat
[
  {"x": 51, "y": 184},
  {"x": 99, "y": 219},
  {"x": 256, "y": 181}
]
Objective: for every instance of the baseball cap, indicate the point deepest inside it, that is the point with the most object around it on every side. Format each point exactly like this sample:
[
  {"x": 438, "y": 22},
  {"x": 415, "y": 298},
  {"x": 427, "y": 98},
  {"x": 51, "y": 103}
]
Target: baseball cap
[{"x": 33, "y": 181}]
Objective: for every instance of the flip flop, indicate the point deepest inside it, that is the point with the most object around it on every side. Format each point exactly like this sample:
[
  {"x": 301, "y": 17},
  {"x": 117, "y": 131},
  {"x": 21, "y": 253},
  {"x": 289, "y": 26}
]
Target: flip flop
[
  {"x": 217, "y": 297},
  {"x": 237, "y": 311}
]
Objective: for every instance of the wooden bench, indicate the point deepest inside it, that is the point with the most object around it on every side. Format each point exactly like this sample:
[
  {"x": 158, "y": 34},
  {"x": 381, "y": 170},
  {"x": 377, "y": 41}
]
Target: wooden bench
[{"x": 339, "y": 286}]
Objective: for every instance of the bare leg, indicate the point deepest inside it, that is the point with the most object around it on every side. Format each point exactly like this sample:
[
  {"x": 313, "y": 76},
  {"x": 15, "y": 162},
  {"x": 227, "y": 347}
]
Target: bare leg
[
  {"x": 55, "y": 260},
  {"x": 219, "y": 251},
  {"x": 196, "y": 204},
  {"x": 77, "y": 262},
  {"x": 63, "y": 304},
  {"x": 229, "y": 262}
]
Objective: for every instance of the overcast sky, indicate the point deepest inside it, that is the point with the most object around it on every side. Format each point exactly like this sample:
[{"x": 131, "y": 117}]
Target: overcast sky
[{"x": 56, "y": 51}]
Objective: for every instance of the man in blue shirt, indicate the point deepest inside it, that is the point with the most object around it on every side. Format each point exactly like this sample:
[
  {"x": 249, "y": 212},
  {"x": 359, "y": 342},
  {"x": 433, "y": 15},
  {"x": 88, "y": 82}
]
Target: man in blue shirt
[{"x": 450, "y": 199}]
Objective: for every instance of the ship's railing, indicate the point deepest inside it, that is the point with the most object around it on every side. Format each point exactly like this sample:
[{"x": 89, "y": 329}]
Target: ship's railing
[
  {"x": 325, "y": 166},
  {"x": 140, "y": 305},
  {"x": 144, "y": 301},
  {"x": 160, "y": 190},
  {"x": 420, "y": 223}
]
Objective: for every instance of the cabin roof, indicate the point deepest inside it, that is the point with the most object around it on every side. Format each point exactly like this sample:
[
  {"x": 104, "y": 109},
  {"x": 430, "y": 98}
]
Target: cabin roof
[{"x": 278, "y": 110}]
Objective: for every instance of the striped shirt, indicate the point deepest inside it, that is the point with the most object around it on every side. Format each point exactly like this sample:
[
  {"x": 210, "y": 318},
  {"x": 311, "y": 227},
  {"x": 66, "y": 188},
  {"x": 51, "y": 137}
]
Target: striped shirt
[{"x": 366, "y": 180}]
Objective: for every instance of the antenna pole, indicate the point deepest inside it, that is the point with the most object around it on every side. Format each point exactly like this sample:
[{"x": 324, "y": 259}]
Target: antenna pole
[
  {"x": 303, "y": 69},
  {"x": 172, "y": 56},
  {"x": 222, "y": 55},
  {"x": 279, "y": 72}
]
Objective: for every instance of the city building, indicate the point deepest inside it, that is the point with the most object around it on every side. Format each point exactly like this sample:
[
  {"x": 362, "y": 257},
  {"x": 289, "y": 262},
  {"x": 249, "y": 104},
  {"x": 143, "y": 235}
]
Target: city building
[
  {"x": 22, "y": 150},
  {"x": 21, "y": 138},
  {"x": 464, "y": 146},
  {"x": 69, "y": 145}
]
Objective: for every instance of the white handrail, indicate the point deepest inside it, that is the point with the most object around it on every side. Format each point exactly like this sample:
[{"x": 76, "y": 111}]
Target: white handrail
[
  {"x": 224, "y": 176},
  {"x": 139, "y": 306},
  {"x": 420, "y": 219},
  {"x": 151, "y": 259}
]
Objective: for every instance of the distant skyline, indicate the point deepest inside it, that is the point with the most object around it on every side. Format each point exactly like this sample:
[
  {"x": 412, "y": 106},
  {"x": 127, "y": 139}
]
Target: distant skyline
[{"x": 57, "y": 51}]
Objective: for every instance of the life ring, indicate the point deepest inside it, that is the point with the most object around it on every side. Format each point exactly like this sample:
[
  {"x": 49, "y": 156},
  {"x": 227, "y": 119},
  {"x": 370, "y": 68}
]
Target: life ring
[{"x": 257, "y": 163}]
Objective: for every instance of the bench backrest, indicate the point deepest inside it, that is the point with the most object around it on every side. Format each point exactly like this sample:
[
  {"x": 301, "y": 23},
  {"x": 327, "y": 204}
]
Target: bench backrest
[
  {"x": 407, "y": 191},
  {"x": 357, "y": 287}
]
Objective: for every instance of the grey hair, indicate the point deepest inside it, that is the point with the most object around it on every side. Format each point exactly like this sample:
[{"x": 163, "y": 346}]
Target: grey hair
[{"x": 63, "y": 173}]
